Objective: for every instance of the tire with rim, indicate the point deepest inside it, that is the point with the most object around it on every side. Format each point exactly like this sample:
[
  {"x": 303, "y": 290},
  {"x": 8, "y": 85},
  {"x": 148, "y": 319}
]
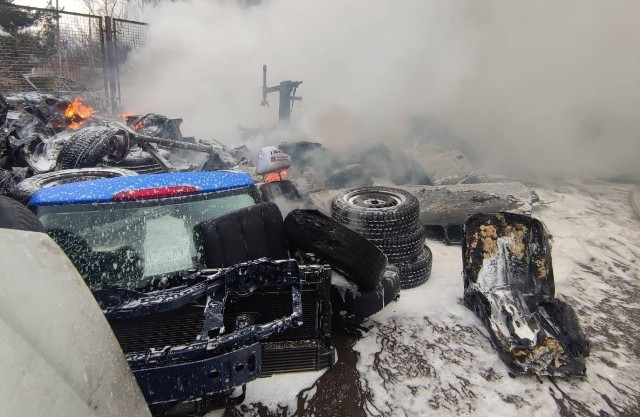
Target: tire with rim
[
  {"x": 345, "y": 250},
  {"x": 402, "y": 248},
  {"x": 90, "y": 145},
  {"x": 416, "y": 272},
  {"x": 376, "y": 212},
  {"x": 27, "y": 187},
  {"x": 14, "y": 215}
]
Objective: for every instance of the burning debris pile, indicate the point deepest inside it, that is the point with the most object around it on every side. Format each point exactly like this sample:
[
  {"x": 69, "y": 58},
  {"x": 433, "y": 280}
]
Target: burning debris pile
[
  {"x": 77, "y": 113},
  {"x": 41, "y": 133}
]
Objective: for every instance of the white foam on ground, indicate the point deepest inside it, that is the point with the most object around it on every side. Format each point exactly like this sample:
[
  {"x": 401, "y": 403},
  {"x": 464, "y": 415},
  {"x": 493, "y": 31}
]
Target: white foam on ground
[
  {"x": 427, "y": 354},
  {"x": 278, "y": 393},
  {"x": 430, "y": 355}
]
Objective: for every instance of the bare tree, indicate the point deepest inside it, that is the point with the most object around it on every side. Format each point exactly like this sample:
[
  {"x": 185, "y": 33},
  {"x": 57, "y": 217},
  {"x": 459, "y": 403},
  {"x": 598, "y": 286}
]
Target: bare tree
[{"x": 111, "y": 8}]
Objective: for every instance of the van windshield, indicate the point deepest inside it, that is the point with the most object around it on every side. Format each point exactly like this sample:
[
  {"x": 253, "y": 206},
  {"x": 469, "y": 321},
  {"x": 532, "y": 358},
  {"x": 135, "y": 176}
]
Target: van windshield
[{"x": 132, "y": 244}]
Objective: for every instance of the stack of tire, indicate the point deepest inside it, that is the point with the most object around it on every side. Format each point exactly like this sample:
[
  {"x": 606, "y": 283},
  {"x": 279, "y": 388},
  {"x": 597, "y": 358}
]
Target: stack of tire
[{"x": 388, "y": 217}]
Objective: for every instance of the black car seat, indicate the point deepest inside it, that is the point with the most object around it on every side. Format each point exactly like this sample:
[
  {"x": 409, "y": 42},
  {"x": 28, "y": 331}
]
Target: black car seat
[{"x": 243, "y": 235}]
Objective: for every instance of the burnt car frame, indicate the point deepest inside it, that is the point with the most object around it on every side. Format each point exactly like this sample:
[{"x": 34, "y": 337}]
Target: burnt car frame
[{"x": 194, "y": 325}]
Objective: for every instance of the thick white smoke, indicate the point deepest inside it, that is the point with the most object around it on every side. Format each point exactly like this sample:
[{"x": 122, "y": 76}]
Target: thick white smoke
[{"x": 537, "y": 88}]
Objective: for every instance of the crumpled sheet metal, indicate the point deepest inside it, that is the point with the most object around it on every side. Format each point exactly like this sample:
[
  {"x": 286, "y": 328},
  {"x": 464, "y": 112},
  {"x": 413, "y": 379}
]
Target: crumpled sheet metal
[
  {"x": 28, "y": 121},
  {"x": 509, "y": 284},
  {"x": 451, "y": 204},
  {"x": 34, "y": 130}
]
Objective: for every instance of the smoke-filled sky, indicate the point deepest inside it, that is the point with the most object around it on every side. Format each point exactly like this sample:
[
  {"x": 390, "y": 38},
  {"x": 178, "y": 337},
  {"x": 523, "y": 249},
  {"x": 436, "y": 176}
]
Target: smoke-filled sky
[{"x": 537, "y": 88}]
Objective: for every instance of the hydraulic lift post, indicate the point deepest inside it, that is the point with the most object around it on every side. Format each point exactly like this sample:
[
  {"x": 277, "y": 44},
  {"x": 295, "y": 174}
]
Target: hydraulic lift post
[{"x": 287, "y": 90}]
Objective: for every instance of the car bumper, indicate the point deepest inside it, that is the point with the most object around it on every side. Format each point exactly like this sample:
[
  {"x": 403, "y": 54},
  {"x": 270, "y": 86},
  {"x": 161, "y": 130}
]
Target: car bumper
[{"x": 170, "y": 382}]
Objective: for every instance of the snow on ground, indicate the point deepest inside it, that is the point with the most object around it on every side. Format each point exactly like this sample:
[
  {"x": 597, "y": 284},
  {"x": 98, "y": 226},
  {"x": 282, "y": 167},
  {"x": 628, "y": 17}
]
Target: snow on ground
[{"x": 427, "y": 354}]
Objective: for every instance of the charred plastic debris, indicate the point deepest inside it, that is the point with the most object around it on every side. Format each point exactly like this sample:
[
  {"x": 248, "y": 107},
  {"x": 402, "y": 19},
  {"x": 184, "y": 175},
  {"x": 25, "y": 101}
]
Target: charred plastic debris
[
  {"x": 372, "y": 237},
  {"x": 509, "y": 284}
]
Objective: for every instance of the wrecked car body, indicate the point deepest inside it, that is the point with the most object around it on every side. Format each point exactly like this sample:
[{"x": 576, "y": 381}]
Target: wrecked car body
[
  {"x": 509, "y": 284},
  {"x": 221, "y": 343},
  {"x": 193, "y": 326}
]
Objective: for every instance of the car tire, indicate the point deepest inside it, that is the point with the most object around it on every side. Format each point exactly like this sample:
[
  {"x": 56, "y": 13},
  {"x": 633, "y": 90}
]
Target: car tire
[
  {"x": 89, "y": 146},
  {"x": 402, "y": 248},
  {"x": 376, "y": 212},
  {"x": 24, "y": 190},
  {"x": 14, "y": 215},
  {"x": 362, "y": 304},
  {"x": 417, "y": 271},
  {"x": 345, "y": 250}
]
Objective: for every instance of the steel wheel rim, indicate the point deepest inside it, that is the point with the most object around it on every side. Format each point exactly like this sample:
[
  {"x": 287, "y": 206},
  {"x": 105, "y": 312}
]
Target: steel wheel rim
[{"x": 374, "y": 200}]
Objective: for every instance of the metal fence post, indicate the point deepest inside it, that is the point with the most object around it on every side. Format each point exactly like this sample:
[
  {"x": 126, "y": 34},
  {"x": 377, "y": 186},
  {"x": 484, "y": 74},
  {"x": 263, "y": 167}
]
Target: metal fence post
[
  {"x": 116, "y": 55},
  {"x": 58, "y": 37},
  {"x": 105, "y": 75},
  {"x": 75, "y": 54},
  {"x": 110, "y": 62}
]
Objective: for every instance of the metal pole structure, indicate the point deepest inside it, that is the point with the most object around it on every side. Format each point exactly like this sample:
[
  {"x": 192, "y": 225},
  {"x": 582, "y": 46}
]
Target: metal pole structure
[
  {"x": 58, "y": 38},
  {"x": 287, "y": 96},
  {"x": 105, "y": 70},
  {"x": 116, "y": 60},
  {"x": 110, "y": 62},
  {"x": 287, "y": 90}
]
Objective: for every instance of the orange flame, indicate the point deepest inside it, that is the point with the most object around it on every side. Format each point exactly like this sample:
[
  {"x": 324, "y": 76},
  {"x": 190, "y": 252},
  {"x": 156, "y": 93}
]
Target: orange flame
[
  {"x": 77, "y": 113},
  {"x": 127, "y": 115}
]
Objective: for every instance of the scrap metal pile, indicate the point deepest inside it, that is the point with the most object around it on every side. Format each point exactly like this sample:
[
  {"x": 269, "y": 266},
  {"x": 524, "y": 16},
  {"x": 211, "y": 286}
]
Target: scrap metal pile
[
  {"x": 41, "y": 133},
  {"x": 373, "y": 236}
]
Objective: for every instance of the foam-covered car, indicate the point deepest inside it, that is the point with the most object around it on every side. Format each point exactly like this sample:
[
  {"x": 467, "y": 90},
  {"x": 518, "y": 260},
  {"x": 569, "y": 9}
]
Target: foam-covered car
[{"x": 194, "y": 275}]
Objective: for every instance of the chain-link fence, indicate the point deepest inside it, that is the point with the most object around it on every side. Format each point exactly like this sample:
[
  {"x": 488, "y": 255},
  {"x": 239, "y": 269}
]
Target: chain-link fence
[
  {"x": 59, "y": 52},
  {"x": 123, "y": 37}
]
